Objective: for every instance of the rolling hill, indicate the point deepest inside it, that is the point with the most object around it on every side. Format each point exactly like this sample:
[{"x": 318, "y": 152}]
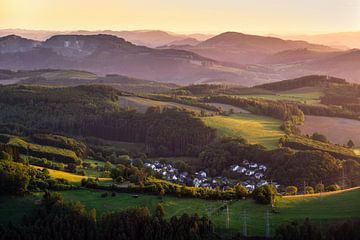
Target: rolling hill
[
  {"x": 104, "y": 54},
  {"x": 247, "y": 49}
]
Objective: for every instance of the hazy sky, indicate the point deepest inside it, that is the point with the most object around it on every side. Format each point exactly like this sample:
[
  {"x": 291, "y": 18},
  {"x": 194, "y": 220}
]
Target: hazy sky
[{"x": 211, "y": 16}]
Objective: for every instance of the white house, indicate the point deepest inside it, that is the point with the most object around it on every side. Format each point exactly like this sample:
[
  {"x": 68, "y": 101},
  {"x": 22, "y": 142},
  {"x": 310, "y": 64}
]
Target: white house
[
  {"x": 234, "y": 168},
  {"x": 202, "y": 174},
  {"x": 241, "y": 170},
  {"x": 262, "y": 168},
  {"x": 249, "y": 173},
  {"x": 259, "y": 175},
  {"x": 253, "y": 165},
  {"x": 196, "y": 182},
  {"x": 250, "y": 187}
]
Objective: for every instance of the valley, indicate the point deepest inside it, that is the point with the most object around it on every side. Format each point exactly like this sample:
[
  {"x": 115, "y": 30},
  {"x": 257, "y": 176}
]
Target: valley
[{"x": 134, "y": 134}]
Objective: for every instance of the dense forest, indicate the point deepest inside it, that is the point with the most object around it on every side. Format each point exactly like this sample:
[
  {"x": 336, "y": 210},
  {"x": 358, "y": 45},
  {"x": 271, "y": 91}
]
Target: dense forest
[{"x": 93, "y": 111}]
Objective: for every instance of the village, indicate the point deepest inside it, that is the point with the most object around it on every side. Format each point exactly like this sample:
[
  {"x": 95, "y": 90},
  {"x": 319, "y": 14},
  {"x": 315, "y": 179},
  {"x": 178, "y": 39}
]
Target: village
[{"x": 251, "y": 174}]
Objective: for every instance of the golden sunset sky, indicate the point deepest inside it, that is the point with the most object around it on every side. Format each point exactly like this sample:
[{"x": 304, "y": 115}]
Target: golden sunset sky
[{"x": 184, "y": 16}]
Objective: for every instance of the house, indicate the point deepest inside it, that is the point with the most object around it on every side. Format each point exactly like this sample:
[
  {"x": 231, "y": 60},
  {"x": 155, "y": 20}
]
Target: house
[
  {"x": 249, "y": 173},
  {"x": 250, "y": 187},
  {"x": 253, "y": 165},
  {"x": 241, "y": 170},
  {"x": 202, "y": 174},
  {"x": 259, "y": 175},
  {"x": 262, "y": 183},
  {"x": 196, "y": 182},
  {"x": 174, "y": 178},
  {"x": 245, "y": 162},
  {"x": 262, "y": 168},
  {"x": 234, "y": 168}
]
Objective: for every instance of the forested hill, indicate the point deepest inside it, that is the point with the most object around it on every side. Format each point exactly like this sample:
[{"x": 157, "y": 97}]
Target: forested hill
[
  {"x": 307, "y": 81},
  {"x": 94, "y": 111}
]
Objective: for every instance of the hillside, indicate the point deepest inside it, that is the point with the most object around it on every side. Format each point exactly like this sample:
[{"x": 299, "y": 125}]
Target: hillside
[
  {"x": 335, "y": 207},
  {"x": 306, "y": 81},
  {"x": 104, "y": 54},
  {"x": 247, "y": 49},
  {"x": 56, "y": 77}
]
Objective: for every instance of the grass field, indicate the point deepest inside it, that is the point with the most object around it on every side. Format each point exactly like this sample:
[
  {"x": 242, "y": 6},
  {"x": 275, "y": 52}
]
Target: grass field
[
  {"x": 142, "y": 104},
  {"x": 357, "y": 151},
  {"x": 256, "y": 129},
  {"x": 320, "y": 209},
  {"x": 337, "y": 130},
  {"x": 305, "y": 95},
  {"x": 73, "y": 178}
]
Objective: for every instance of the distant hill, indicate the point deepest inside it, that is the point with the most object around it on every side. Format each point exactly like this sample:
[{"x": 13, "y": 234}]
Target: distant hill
[
  {"x": 149, "y": 38},
  {"x": 345, "y": 65},
  {"x": 307, "y": 81},
  {"x": 105, "y": 54},
  {"x": 54, "y": 77},
  {"x": 13, "y": 43},
  {"x": 184, "y": 42},
  {"x": 244, "y": 49},
  {"x": 339, "y": 40},
  {"x": 301, "y": 55}
]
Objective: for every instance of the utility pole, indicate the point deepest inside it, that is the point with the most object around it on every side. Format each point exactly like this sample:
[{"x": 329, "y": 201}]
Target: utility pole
[
  {"x": 321, "y": 190},
  {"x": 244, "y": 223},
  {"x": 343, "y": 177},
  {"x": 227, "y": 217},
  {"x": 304, "y": 187},
  {"x": 267, "y": 225}
]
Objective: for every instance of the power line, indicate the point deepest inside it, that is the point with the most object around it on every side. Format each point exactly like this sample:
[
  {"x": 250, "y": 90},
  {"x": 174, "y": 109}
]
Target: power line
[
  {"x": 267, "y": 226},
  {"x": 244, "y": 216}
]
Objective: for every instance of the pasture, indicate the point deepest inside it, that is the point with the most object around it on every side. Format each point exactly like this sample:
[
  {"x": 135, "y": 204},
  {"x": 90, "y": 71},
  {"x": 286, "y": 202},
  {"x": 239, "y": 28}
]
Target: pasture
[
  {"x": 319, "y": 208},
  {"x": 254, "y": 128},
  {"x": 337, "y": 130}
]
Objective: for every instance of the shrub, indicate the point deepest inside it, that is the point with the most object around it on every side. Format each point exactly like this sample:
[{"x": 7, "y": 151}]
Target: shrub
[
  {"x": 319, "y": 187},
  {"x": 291, "y": 190},
  {"x": 309, "y": 190},
  {"x": 333, "y": 187},
  {"x": 264, "y": 194}
]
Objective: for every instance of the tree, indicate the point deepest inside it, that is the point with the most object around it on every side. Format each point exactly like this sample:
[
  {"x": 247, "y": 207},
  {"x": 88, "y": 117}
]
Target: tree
[
  {"x": 333, "y": 187},
  {"x": 241, "y": 191},
  {"x": 107, "y": 166},
  {"x": 264, "y": 194},
  {"x": 291, "y": 190},
  {"x": 319, "y": 187},
  {"x": 309, "y": 190},
  {"x": 159, "y": 211},
  {"x": 350, "y": 144}
]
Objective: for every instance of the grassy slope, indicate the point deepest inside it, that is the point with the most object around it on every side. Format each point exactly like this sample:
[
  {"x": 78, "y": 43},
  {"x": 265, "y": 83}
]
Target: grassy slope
[
  {"x": 16, "y": 141},
  {"x": 142, "y": 104},
  {"x": 357, "y": 151},
  {"x": 331, "y": 207},
  {"x": 306, "y": 94},
  {"x": 73, "y": 178},
  {"x": 256, "y": 129}
]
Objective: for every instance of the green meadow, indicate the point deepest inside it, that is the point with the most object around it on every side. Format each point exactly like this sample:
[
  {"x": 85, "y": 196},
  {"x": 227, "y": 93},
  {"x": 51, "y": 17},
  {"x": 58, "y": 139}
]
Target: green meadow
[
  {"x": 242, "y": 214},
  {"x": 254, "y": 128}
]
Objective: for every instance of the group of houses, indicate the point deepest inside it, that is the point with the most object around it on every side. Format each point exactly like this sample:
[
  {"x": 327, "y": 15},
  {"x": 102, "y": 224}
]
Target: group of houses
[
  {"x": 253, "y": 175},
  {"x": 198, "y": 179}
]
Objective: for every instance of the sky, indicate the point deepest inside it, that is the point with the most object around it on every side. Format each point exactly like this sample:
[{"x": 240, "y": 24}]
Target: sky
[{"x": 184, "y": 16}]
